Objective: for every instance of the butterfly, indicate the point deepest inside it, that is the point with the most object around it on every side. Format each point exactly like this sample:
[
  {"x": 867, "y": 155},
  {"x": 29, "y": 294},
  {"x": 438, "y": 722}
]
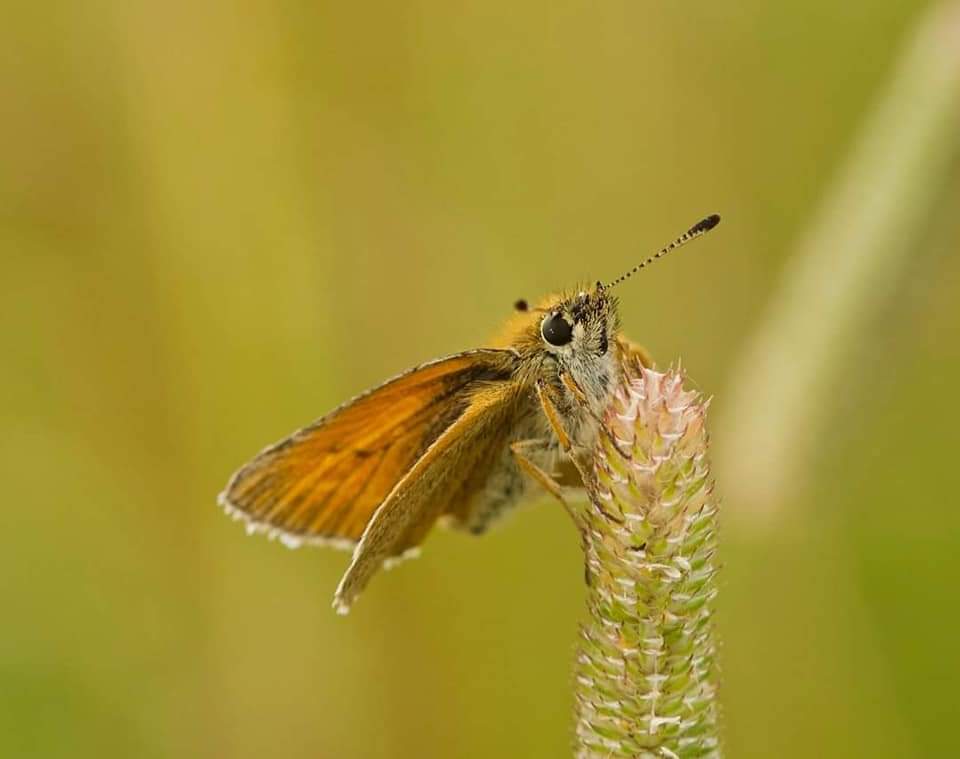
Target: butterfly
[{"x": 461, "y": 439}]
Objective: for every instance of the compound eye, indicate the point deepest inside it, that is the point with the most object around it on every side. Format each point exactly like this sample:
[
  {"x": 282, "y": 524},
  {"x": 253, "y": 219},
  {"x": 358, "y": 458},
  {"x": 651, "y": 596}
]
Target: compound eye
[{"x": 556, "y": 330}]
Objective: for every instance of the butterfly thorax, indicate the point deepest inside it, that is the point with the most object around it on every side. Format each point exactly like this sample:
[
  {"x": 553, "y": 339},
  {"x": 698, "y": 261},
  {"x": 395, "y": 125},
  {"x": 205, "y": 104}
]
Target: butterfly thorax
[{"x": 576, "y": 378}]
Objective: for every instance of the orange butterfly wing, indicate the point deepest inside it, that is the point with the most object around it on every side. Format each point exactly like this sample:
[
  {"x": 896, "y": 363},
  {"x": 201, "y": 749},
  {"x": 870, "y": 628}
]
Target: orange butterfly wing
[{"x": 323, "y": 483}]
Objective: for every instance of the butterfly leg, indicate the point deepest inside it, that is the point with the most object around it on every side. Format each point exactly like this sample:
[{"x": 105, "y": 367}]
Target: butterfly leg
[
  {"x": 586, "y": 473},
  {"x": 571, "y": 384},
  {"x": 563, "y": 437},
  {"x": 519, "y": 450},
  {"x": 553, "y": 416},
  {"x": 543, "y": 478}
]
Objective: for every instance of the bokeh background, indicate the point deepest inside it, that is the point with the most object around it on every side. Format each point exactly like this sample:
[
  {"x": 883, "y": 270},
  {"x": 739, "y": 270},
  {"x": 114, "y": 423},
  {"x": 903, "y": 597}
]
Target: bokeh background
[{"x": 218, "y": 220}]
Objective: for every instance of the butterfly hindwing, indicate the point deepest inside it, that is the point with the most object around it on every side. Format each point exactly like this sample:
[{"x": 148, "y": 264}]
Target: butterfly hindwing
[{"x": 438, "y": 483}]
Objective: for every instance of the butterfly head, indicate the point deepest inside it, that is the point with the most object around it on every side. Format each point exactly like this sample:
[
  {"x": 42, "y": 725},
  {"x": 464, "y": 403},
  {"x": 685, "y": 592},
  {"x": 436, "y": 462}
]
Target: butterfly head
[
  {"x": 579, "y": 326},
  {"x": 575, "y": 336}
]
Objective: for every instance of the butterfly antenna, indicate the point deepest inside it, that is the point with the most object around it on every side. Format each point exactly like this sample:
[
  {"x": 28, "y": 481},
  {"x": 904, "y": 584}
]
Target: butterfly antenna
[{"x": 701, "y": 227}]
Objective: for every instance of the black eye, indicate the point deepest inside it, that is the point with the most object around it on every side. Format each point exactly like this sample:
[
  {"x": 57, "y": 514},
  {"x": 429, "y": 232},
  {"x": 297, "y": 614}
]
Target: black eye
[{"x": 556, "y": 330}]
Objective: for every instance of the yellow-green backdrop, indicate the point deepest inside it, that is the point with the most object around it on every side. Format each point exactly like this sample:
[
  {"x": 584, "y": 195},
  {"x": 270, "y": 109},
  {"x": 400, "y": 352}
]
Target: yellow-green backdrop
[{"x": 218, "y": 220}]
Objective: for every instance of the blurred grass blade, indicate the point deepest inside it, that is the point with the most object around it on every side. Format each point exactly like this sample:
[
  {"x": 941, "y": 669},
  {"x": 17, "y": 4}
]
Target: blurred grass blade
[{"x": 866, "y": 232}]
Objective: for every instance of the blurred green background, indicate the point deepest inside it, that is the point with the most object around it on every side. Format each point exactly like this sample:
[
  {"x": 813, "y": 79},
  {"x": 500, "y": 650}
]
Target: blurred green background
[{"x": 218, "y": 220}]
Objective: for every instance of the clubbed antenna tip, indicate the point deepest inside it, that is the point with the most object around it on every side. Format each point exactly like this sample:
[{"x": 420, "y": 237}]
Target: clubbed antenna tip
[
  {"x": 707, "y": 224},
  {"x": 701, "y": 227}
]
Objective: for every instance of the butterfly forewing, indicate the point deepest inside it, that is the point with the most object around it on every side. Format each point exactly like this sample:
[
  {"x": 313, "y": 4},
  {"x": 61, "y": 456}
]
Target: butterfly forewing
[{"x": 324, "y": 483}]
